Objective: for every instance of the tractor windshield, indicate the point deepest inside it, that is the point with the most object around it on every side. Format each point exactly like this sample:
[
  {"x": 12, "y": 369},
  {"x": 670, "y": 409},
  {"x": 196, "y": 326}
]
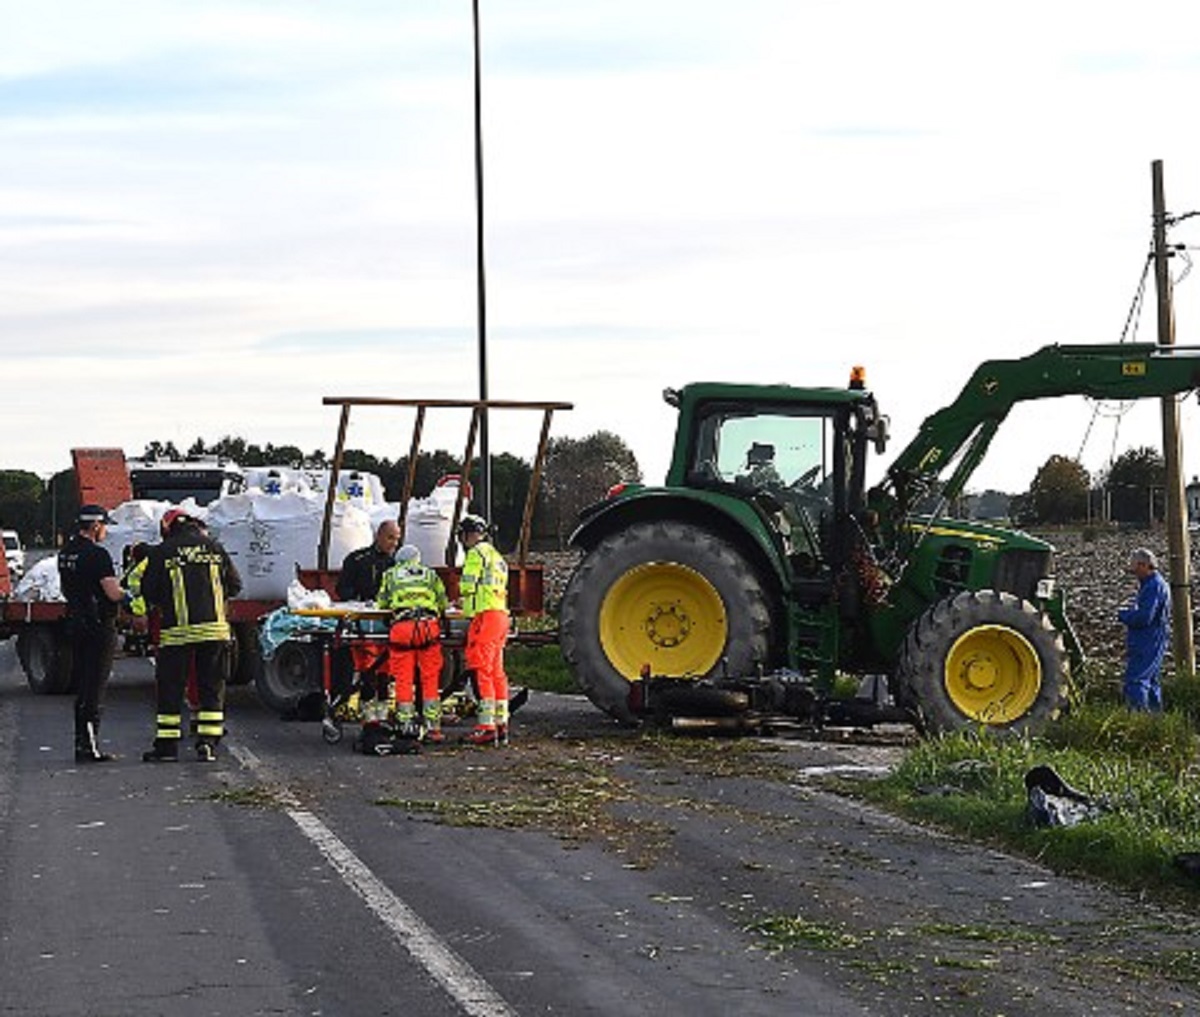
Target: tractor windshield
[
  {"x": 770, "y": 451},
  {"x": 784, "y": 457}
]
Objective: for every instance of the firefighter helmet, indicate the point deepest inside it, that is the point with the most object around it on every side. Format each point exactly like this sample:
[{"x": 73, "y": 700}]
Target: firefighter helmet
[
  {"x": 172, "y": 518},
  {"x": 472, "y": 524}
]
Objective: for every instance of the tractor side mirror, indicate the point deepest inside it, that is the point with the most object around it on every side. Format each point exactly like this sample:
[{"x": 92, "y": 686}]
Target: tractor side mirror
[{"x": 879, "y": 430}]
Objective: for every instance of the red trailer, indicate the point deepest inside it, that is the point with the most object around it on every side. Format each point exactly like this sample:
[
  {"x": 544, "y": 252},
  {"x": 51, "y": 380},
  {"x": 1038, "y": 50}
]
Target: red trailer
[{"x": 295, "y": 668}]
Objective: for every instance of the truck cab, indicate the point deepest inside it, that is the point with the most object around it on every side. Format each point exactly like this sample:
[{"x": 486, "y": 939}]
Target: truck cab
[{"x": 203, "y": 479}]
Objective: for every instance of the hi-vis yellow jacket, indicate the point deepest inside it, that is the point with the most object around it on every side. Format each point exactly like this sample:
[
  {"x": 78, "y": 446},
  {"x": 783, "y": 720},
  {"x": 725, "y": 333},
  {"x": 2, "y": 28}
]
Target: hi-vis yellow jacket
[
  {"x": 483, "y": 583},
  {"x": 412, "y": 587}
]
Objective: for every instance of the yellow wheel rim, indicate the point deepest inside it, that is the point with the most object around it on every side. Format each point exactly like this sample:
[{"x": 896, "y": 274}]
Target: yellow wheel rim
[
  {"x": 993, "y": 674},
  {"x": 664, "y": 615}
]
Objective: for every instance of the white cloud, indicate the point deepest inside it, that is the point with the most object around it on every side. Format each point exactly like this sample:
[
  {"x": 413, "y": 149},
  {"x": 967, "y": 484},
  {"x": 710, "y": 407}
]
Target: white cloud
[{"x": 769, "y": 191}]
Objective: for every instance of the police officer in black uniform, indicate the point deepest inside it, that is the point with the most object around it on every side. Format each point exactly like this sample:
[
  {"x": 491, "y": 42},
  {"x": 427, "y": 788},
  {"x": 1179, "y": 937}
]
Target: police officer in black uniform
[
  {"x": 92, "y": 591},
  {"x": 363, "y": 570}
]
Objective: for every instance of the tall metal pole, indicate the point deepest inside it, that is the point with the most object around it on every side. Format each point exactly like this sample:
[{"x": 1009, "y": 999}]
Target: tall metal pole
[
  {"x": 485, "y": 460},
  {"x": 1183, "y": 643}
]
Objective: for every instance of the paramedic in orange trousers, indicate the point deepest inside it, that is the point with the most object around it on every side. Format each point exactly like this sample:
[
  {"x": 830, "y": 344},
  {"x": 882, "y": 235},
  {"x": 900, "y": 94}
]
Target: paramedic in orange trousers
[
  {"x": 415, "y": 595},
  {"x": 483, "y": 589}
]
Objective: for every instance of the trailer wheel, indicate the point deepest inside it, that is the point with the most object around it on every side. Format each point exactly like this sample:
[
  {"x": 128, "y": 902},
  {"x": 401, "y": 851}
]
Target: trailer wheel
[
  {"x": 983, "y": 659},
  {"x": 293, "y": 672},
  {"x": 45, "y": 657},
  {"x": 453, "y": 666},
  {"x": 666, "y": 596},
  {"x": 246, "y": 663}
]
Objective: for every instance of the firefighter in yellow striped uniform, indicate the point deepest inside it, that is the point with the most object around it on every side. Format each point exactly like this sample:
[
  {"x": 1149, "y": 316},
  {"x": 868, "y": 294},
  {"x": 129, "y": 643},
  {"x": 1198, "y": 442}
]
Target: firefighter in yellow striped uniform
[{"x": 188, "y": 578}]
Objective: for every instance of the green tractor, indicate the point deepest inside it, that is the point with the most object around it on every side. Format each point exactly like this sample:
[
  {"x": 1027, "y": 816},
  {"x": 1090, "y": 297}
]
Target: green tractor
[{"x": 765, "y": 567}]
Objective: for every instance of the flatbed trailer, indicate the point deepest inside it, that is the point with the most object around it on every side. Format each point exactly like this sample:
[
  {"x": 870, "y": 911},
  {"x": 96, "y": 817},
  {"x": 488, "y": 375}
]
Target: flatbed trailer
[{"x": 295, "y": 668}]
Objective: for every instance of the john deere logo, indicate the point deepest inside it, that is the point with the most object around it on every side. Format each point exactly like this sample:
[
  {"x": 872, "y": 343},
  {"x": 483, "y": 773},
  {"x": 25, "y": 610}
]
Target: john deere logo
[
  {"x": 1133, "y": 368},
  {"x": 990, "y": 385}
]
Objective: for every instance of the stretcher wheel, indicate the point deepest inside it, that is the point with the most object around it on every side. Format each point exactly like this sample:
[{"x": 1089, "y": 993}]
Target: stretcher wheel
[{"x": 331, "y": 731}]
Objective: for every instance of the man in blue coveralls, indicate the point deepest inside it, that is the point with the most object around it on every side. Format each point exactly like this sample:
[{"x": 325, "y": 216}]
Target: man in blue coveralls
[{"x": 1148, "y": 621}]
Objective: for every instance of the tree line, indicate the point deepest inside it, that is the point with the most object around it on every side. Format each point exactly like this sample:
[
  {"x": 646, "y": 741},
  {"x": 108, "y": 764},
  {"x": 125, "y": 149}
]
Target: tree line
[
  {"x": 579, "y": 471},
  {"x": 576, "y": 473},
  {"x": 1131, "y": 491}
]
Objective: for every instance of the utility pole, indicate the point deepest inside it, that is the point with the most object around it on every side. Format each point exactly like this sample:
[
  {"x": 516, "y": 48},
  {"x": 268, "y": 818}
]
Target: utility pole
[
  {"x": 1183, "y": 643},
  {"x": 485, "y": 459}
]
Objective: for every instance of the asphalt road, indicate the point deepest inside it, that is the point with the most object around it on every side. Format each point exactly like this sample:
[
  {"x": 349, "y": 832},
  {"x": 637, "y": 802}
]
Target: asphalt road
[{"x": 584, "y": 870}]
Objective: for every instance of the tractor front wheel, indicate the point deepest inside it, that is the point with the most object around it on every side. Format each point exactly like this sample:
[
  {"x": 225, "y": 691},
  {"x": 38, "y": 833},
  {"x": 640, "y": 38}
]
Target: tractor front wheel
[
  {"x": 668, "y": 598},
  {"x": 983, "y": 659}
]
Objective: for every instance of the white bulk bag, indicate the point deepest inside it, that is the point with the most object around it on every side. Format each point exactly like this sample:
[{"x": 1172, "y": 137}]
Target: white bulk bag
[
  {"x": 267, "y": 536},
  {"x": 40, "y": 582}
]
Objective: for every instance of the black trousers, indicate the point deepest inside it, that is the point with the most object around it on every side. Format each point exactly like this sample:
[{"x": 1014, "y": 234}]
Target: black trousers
[
  {"x": 175, "y": 663},
  {"x": 93, "y": 644}
]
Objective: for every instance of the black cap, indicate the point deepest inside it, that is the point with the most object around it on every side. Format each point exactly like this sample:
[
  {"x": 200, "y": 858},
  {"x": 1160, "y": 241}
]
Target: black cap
[{"x": 89, "y": 514}]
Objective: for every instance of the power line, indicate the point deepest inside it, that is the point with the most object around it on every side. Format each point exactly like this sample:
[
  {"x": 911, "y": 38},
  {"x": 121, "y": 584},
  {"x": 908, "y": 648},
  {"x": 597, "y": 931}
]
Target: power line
[
  {"x": 1174, "y": 220},
  {"x": 1132, "y": 320}
]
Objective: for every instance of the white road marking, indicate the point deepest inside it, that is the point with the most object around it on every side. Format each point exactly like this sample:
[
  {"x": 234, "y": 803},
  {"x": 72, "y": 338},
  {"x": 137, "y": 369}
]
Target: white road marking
[
  {"x": 450, "y": 971},
  {"x": 459, "y": 980}
]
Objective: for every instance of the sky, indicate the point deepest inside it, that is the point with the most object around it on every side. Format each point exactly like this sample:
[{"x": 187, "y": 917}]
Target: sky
[{"x": 212, "y": 216}]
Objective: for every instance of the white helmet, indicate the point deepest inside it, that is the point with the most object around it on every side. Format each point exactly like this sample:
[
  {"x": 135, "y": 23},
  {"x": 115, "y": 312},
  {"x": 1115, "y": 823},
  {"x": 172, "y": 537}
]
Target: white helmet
[{"x": 472, "y": 524}]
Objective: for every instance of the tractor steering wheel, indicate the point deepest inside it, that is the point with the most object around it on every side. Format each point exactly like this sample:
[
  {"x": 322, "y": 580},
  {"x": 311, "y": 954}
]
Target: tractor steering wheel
[{"x": 806, "y": 478}]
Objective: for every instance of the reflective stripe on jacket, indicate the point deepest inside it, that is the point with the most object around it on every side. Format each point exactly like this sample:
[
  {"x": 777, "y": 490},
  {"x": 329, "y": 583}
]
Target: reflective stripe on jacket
[
  {"x": 188, "y": 577},
  {"x": 408, "y": 587},
  {"x": 484, "y": 580},
  {"x": 133, "y": 583}
]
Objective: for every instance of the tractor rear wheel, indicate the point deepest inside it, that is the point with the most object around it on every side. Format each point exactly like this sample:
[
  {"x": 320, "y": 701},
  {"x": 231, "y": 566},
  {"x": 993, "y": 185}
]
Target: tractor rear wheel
[
  {"x": 664, "y": 596},
  {"x": 983, "y": 659}
]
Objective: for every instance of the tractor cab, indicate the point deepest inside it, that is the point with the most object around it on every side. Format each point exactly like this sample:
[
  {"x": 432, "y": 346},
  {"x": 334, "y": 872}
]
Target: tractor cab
[{"x": 798, "y": 455}]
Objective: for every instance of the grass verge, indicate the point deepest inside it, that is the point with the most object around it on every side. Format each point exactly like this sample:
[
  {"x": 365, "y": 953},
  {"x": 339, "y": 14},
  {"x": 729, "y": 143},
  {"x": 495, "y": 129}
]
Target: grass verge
[
  {"x": 1139, "y": 767},
  {"x": 538, "y": 667}
]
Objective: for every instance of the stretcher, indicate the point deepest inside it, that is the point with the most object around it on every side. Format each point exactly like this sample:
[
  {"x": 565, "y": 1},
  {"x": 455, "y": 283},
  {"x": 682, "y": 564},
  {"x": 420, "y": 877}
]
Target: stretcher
[
  {"x": 341, "y": 626},
  {"x": 351, "y": 626}
]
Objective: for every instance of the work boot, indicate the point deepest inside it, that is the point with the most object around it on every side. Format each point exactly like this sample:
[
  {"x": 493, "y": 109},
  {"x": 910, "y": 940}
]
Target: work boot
[
  {"x": 435, "y": 736},
  {"x": 206, "y": 752},
  {"x": 501, "y": 734},
  {"x": 375, "y": 740},
  {"x": 163, "y": 751},
  {"x": 87, "y": 743},
  {"x": 482, "y": 734}
]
